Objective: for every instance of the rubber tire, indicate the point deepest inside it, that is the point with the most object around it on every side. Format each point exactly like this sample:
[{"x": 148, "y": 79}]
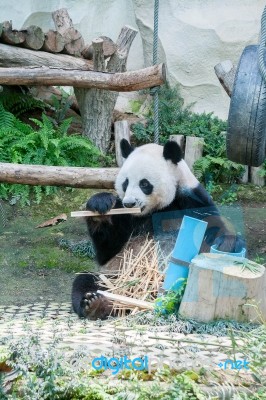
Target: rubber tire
[{"x": 246, "y": 134}]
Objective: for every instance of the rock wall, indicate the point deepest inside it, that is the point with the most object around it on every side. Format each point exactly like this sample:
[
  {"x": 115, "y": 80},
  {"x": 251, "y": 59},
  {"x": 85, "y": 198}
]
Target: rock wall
[{"x": 193, "y": 35}]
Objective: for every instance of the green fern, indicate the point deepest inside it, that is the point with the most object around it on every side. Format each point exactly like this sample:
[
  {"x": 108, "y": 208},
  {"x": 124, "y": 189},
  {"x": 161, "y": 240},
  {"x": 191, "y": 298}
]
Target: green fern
[
  {"x": 46, "y": 145},
  {"x": 19, "y": 102}
]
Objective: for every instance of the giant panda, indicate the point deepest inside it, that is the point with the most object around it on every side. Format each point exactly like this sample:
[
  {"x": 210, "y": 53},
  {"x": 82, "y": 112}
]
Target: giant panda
[{"x": 156, "y": 179}]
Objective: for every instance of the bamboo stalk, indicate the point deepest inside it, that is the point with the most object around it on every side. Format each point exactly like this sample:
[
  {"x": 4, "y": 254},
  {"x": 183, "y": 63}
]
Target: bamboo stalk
[{"x": 114, "y": 211}]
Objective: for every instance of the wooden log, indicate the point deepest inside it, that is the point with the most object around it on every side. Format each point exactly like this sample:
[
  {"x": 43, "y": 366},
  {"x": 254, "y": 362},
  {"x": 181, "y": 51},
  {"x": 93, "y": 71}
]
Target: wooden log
[
  {"x": 114, "y": 211},
  {"x": 109, "y": 47},
  {"x": 127, "y": 300},
  {"x": 53, "y": 42},
  {"x": 121, "y": 132},
  {"x": 255, "y": 178},
  {"x": 11, "y": 36},
  {"x": 98, "y": 59},
  {"x": 194, "y": 150},
  {"x": 79, "y": 177},
  {"x": 225, "y": 72},
  {"x": 120, "y": 82},
  {"x": 74, "y": 43},
  {"x": 245, "y": 176},
  {"x": 34, "y": 37},
  {"x": 11, "y": 56},
  {"x": 218, "y": 288}
]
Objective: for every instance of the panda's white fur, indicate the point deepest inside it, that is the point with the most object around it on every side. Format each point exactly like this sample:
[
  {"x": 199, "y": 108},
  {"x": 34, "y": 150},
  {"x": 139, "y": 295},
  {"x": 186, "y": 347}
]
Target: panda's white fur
[{"x": 148, "y": 162}]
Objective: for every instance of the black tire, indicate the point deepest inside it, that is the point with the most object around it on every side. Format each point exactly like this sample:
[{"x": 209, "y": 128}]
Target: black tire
[{"x": 246, "y": 134}]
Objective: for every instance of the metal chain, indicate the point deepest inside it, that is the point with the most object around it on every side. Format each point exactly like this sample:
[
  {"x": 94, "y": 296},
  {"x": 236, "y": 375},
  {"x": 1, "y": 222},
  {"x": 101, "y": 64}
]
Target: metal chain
[
  {"x": 154, "y": 90},
  {"x": 262, "y": 45}
]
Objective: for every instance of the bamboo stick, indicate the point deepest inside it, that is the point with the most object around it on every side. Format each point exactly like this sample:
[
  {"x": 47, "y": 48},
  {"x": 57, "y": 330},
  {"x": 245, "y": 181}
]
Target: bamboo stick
[
  {"x": 127, "y": 300},
  {"x": 114, "y": 211}
]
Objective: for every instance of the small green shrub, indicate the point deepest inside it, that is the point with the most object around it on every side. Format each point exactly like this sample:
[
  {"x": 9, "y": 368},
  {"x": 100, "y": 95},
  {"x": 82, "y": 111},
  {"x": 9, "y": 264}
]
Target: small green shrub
[
  {"x": 176, "y": 119},
  {"x": 46, "y": 145}
]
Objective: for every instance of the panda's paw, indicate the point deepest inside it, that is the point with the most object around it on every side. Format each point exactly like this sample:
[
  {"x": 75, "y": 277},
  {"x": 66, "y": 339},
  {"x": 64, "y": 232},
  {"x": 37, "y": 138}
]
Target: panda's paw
[
  {"x": 95, "y": 306},
  {"x": 230, "y": 243},
  {"x": 101, "y": 202}
]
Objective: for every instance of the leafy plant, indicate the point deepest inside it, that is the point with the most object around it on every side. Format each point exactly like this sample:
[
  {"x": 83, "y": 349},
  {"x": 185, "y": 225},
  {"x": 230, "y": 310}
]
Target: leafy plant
[
  {"x": 169, "y": 303},
  {"x": 19, "y": 102},
  {"x": 46, "y": 145},
  {"x": 177, "y": 119}
]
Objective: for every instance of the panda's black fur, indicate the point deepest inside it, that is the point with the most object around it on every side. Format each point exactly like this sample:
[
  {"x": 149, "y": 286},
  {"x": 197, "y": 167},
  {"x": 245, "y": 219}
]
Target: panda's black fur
[{"x": 110, "y": 234}]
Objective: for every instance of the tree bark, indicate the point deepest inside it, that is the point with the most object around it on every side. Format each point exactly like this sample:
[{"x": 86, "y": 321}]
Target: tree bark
[
  {"x": 11, "y": 36},
  {"x": 11, "y": 56},
  {"x": 53, "y": 42},
  {"x": 123, "y": 82},
  {"x": 101, "y": 103},
  {"x": 78, "y": 177},
  {"x": 34, "y": 37}
]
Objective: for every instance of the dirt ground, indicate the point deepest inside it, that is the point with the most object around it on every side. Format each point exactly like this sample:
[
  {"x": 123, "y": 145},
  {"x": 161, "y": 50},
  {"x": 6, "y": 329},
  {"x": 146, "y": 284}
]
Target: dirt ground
[{"x": 35, "y": 268}]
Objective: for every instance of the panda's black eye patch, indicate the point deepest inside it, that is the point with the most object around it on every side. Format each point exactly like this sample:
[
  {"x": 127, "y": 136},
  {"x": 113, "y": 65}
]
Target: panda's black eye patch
[
  {"x": 146, "y": 186},
  {"x": 125, "y": 185}
]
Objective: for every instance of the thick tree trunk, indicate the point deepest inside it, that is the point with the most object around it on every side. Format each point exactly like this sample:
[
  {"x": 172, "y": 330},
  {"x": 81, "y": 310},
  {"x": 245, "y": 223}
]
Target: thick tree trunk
[
  {"x": 125, "y": 82},
  {"x": 97, "y": 106},
  {"x": 78, "y": 177},
  {"x": 11, "y": 56}
]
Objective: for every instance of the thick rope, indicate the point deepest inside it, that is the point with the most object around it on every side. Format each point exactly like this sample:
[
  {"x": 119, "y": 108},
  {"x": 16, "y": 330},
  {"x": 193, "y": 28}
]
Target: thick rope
[
  {"x": 262, "y": 45},
  {"x": 154, "y": 91}
]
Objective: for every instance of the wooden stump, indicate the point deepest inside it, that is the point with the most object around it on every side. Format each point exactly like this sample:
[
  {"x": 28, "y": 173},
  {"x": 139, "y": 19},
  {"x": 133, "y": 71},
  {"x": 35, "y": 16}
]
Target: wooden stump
[
  {"x": 218, "y": 288},
  {"x": 194, "y": 149},
  {"x": 255, "y": 178},
  {"x": 109, "y": 47},
  {"x": 121, "y": 132}
]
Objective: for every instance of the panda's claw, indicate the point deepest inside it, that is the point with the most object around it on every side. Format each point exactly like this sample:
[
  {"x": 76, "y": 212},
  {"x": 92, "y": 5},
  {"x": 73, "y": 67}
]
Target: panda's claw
[{"x": 95, "y": 306}]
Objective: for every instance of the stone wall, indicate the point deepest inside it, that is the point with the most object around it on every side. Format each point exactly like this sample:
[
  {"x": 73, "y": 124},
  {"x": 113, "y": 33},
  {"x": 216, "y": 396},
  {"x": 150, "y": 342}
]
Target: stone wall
[{"x": 194, "y": 35}]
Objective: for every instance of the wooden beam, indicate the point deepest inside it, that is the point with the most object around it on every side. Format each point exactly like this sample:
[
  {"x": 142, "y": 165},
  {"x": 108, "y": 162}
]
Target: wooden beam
[
  {"x": 119, "y": 82},
  {"x": 78, "y": 177},
  {"x": 11, "y": 56}
]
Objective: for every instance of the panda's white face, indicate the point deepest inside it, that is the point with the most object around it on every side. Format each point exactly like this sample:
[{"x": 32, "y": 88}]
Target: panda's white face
[{"x": 147, "y": 180}]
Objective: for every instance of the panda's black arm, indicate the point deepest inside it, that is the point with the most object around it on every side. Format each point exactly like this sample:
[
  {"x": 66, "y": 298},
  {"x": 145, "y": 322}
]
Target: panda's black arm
[{"x": 108, "y": 233}]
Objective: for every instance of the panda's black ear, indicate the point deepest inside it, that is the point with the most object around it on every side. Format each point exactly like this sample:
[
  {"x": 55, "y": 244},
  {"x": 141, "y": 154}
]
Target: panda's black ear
[
  {"x": 126, "y": 148},
  {"x": 172, "y": 151}
]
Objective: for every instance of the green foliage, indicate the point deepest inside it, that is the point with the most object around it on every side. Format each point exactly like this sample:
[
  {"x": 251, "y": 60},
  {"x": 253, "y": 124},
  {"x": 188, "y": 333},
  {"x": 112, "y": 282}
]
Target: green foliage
[
  {"x": 46, "y": 145},
  {"x": 60, "y": 107},
  {"x": 170, "y": 302},
  {"x": 176, "y": 119},
  {"x": 19, "y": 102}
]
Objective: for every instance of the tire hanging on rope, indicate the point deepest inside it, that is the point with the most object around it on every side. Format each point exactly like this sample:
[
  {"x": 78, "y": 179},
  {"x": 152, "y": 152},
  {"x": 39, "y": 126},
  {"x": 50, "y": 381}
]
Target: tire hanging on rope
[
  {"x": 246, "y": 134},
  {"x": 155, "y": 90}
]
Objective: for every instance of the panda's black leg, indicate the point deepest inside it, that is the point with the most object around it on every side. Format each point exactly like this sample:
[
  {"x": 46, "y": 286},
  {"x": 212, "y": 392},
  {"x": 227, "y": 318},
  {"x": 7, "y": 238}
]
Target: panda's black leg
[{"x": 95, "y": 306}]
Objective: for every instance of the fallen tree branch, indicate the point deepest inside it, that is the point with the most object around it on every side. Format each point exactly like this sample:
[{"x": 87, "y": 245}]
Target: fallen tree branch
[
  {"x": 78, "y": 177},
  {"x": 120, "y": 82}
]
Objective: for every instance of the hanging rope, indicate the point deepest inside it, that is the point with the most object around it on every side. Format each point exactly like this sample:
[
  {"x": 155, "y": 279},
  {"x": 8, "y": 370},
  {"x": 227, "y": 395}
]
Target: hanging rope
[
  {"x": 262, "y": 45},
  {"x": 154, "y": 91}
]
